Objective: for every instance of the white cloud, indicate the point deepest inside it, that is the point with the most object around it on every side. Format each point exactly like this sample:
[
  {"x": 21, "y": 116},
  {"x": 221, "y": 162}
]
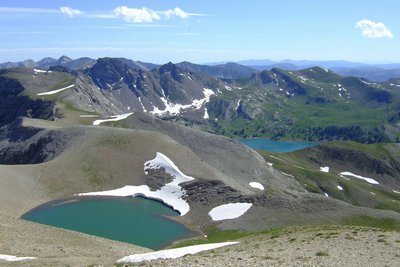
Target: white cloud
[
  {"x": 147, "y": 15},
  {"x": 70, "y": 11},
  {"x": 180, "y": 13},
  {"x": 175, "y": 12},
  {"x": 372, "y": 29},
  {"x": 136, "y": 14}
]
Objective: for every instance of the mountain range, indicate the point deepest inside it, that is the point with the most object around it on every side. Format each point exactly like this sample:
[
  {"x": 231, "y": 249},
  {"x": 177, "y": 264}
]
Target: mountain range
[
  {"x": 84, "y": 125},
  {"x": 234, "y": 70},
  {"x": 313, "y": 103}
]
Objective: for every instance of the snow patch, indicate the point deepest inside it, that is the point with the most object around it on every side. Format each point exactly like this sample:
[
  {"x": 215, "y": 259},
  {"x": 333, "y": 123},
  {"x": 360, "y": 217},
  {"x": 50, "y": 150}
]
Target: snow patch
[
  {"x": 15, "y": 258},
  {"x": 303, "y": 79},
  {"x": 368, "y": 180},
  {"x": 287, "y": 174},
  {"x": 324, "y": 169},
  {"x": 229, "y": 211},
  {"x": 270, "y": 164},
  {"x": 56, "y": 91},
  {"x": 397, "y": 192},
  {"x": 340, "y": 188},
  {"x": 170, "y": 194},
  {"x": 278, "y": 158},
  {"x": 88, "y": 116},
  {"x": 41, "y": 71},
  {"x": 141, "y": 103},
  {"x": 326, "y": 194},
  {"x": 206, "y": 116},
  {"x": 173, "y": 253},
  {"x": 366, "y": 82},
  {"x": 175, "y": 109},
  {"x": 256, "y": 185},
  {"x": 113, "y": 118},
  {"x": 373, "y": 193},
  {"x": 238, "y": 104}
]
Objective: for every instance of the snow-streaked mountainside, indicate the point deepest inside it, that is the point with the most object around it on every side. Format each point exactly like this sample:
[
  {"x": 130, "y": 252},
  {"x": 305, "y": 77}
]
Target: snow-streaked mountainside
[
  {"x": 314, "y": 103},
  {"x": 168, "y": 90}
]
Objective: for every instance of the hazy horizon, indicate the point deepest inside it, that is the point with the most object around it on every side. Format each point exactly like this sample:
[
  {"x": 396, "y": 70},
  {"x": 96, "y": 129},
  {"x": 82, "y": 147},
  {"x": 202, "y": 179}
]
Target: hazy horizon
[
  {"x": 216, "y": 62},
  {"x": 201, "y": 31}
]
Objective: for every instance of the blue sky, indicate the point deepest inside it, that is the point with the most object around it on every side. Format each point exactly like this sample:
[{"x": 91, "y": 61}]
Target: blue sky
[{"x": 202, "y": 31}]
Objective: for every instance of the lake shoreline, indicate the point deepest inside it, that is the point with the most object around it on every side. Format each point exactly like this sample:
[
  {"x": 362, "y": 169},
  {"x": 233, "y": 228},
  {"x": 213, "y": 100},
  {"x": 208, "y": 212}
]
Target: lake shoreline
[
  {"x": 275, "y": 145},
  {"x": 171, "y": 218}
]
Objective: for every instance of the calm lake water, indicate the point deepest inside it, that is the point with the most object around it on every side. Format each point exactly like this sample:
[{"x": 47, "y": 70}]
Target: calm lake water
[
  {"x": 276, "y": 146},
  {"x": 135, "y": 220}
]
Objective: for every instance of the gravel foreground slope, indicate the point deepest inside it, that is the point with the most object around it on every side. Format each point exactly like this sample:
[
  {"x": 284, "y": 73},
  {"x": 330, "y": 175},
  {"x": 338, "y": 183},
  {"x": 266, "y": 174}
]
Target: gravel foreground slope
[{"x": 304, "y": 246}]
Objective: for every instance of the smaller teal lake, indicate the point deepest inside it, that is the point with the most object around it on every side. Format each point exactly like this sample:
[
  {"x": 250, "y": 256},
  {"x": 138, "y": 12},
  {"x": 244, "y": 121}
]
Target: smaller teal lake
[
  {"x": 276, "y": 146},
  {"x": 137, "y": 220}
]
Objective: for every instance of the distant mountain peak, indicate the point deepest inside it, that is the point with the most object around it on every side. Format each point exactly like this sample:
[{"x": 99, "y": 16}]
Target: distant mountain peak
[
  {"x": 46, "y": 60},
  {"x": 64, "y": 59},
  {"x": 169, "y": 67}
]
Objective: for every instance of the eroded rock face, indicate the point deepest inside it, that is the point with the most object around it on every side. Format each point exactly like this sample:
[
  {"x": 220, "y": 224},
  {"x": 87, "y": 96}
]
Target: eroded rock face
[{"x": 43, "y": 146}]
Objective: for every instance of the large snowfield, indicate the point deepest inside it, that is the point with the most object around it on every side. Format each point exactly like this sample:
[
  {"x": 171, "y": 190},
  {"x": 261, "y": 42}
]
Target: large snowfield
[{"x": 170, "y": 194}]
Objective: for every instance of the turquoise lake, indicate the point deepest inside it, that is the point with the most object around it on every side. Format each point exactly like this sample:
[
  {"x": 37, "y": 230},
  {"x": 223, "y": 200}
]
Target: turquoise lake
[
  {"x": 276, "y": 146},
  {"x": 136, "y": 220}
]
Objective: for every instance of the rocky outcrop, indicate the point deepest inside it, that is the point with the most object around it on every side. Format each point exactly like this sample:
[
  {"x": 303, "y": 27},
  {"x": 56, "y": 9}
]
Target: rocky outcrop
[
  {"x": 13, "y": 104},
  {"x": 42, "y": 147}
]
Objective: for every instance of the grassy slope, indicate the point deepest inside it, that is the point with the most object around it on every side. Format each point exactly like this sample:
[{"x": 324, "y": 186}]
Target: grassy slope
[
  {"x": 292, "y": 116},
  {"x": 355, "y": 191}
]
